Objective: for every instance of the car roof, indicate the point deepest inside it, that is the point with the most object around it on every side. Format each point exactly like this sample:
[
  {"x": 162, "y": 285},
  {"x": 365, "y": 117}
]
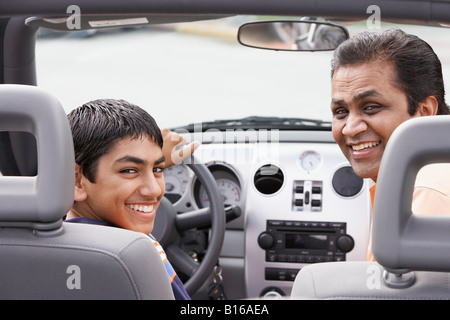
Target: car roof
[{"x": 422, "y": 11}]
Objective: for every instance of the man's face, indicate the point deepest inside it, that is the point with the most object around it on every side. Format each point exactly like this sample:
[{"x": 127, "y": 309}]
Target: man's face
[
  {"x": 366, "y": 108},
  {"x": 129, "y": 185}
]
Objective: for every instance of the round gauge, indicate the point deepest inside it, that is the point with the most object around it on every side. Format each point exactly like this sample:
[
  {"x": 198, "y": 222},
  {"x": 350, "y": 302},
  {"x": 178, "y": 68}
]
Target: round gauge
[
  {"x": 310, "y": 160},
  {"x": 176, "y": 180},
  {"x": 230, "y": 191}
]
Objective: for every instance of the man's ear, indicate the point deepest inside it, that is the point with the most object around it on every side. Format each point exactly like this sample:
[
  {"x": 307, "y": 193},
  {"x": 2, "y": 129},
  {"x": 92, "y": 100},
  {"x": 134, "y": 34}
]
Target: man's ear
[
  {"x": 80, "y": 192},
  {"x": 428, "y": 107}
]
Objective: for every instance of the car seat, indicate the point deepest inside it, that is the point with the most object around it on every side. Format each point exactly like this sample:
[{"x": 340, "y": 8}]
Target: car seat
[{"x": 41, "y": 257}]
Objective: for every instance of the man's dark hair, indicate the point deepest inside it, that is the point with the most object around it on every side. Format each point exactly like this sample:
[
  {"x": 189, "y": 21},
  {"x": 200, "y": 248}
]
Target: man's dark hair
[
  {"x": 417, "y": 67},
  {"x": 98, "y": 124}
]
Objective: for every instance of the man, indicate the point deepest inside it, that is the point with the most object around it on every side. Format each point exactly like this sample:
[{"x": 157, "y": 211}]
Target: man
[
  {"x": 119, "y": 162},
  {"x": 380, "y": 80}
]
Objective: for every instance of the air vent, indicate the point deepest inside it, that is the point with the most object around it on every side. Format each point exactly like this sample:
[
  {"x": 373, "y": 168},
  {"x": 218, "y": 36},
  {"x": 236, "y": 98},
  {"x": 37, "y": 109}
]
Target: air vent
[
  {"x": 346, "y": 183},
  {"x": 268, "y": 179}
]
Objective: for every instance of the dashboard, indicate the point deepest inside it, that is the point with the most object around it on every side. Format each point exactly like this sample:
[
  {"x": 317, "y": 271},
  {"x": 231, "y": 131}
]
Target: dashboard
[
  {"x": 300, "y": 200},
  {"x": 187, "y": 193}
]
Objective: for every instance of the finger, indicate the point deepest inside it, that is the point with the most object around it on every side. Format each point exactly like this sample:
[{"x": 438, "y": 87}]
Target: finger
[{"x": 185, "y": 152}]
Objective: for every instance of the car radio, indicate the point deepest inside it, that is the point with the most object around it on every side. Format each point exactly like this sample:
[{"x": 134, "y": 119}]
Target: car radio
[{"x": 305, "y": 241}]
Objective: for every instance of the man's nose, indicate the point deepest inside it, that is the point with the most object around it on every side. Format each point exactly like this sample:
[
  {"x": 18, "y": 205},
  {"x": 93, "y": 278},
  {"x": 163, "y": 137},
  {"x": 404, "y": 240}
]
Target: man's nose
[{"x": 355, "y": 124}]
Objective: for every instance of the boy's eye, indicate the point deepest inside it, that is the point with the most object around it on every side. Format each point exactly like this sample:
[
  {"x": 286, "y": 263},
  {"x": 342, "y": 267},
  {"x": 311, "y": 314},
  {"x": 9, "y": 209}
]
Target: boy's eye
[
  {"x": 128, "y": 170},
  {"x": 158, "y": 169}
]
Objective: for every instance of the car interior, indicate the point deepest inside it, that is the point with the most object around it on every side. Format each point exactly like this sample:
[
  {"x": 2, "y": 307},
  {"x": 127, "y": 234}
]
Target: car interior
[
  {"x": 267, "y": 207},
  {"x": 41, "y": 258},
  {"x": 409, "y": 248}
]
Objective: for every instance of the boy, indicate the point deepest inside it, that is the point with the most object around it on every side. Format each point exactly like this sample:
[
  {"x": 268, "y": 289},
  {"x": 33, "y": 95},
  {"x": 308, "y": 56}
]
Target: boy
[{"x": 119, "y": 164}]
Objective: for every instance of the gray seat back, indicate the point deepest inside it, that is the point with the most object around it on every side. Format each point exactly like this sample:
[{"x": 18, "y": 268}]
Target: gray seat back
[
  {"x": 402, "y": 240},
  {"x": 411, "y": 250},
  {"x": 41, "y": 257}
]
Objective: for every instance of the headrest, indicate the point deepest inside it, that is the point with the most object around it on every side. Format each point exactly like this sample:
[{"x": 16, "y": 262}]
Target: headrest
[
  {"x": 41, "y": 201},
  {"x": 402, "y": 240}
]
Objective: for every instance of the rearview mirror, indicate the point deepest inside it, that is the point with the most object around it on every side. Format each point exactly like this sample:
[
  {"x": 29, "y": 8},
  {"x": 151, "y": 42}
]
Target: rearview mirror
[{"x": 292, "y": 35}]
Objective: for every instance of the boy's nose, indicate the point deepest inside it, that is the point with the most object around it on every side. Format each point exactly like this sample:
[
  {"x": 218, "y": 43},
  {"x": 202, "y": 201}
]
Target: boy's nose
[{"x": 150, "y": 187}]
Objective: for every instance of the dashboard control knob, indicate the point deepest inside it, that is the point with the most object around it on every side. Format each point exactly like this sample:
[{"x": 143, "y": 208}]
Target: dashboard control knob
[
  {"x": 266, "y": 240},
  {"x": 272, "y": 293},
  {"x": 345, "y": 243}
]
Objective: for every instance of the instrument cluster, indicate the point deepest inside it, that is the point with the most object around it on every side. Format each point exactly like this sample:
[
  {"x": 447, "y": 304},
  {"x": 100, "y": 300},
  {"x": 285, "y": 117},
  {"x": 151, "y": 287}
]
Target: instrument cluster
[{"x": 186, "y": 192}]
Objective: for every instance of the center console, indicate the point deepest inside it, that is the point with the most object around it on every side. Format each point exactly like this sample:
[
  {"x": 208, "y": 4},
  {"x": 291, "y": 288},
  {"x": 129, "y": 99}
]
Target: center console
[{"x": 316, "y": 212}]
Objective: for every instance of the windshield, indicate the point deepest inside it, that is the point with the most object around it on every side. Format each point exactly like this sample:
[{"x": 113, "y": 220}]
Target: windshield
[{"x": 197, "y": 72}]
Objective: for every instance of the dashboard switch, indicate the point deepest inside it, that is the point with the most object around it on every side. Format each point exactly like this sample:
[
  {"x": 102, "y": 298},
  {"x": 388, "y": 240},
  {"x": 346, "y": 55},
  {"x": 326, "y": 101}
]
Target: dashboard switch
[
  {"x": 266, "y": 240},
  {"x": 345, "y": 243}
]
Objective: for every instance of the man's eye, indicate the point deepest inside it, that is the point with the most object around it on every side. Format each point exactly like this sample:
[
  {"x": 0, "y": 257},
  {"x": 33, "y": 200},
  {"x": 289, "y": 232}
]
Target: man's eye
[
  {"x": 373, "y": 108},
  {"x": 340, "y": 113}
]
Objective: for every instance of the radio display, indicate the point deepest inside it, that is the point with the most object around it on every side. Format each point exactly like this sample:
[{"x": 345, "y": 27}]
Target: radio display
[{"x": 306, "y": 241}]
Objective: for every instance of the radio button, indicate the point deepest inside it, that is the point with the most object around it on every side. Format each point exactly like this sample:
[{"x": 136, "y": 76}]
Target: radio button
[
  {"x": 338, "y": 225},
  {"x": 280, "y": 274},
  {"x": 339, "y": 257},
  {"x": 266, "y": 240},
  {"x": 271, "y": 256},
  {"x": 345, "y": 243},
  {"x": 319, "y": 259},
  {"x": 292, "y": 274},
  {"x": 275, "y": 223},
  {"x": 271, "y": 274}
]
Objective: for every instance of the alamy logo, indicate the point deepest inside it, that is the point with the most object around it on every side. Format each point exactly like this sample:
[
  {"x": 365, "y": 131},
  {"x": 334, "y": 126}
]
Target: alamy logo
[
  {"x": 74, "y": 20},
  {"x": 374, "y": 278},
  {"x": 74, "y": 280},
  {"x": 374, "y": 21}
]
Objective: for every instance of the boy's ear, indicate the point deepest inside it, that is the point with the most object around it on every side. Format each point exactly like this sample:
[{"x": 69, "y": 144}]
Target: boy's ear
[{"x": 80, "y": 192}]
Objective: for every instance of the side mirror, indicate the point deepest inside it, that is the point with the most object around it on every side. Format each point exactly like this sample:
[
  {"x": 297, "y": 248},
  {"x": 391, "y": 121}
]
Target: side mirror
[{"x": 292, "y": 35}]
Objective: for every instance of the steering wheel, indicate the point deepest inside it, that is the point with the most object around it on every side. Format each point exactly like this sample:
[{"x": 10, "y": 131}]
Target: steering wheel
[{"x": 169, "y": 227}]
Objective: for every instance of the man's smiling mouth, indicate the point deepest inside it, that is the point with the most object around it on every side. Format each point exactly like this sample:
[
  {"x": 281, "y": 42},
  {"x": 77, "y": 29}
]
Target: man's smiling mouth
[{"x": 366, "y": 145}]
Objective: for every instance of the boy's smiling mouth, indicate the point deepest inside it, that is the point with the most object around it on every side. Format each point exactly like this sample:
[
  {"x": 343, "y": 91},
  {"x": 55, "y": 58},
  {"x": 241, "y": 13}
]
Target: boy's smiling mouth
[{"x": 141, "y": 208}]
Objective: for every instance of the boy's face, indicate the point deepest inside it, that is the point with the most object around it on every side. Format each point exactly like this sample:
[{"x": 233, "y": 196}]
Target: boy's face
[{"x": 128, "y": 188}]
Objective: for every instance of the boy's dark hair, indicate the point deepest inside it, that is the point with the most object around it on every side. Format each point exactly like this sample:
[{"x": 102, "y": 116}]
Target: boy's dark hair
[
  {"x": 98, "y": 124},
  {"x": 417, "y": 67}
]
